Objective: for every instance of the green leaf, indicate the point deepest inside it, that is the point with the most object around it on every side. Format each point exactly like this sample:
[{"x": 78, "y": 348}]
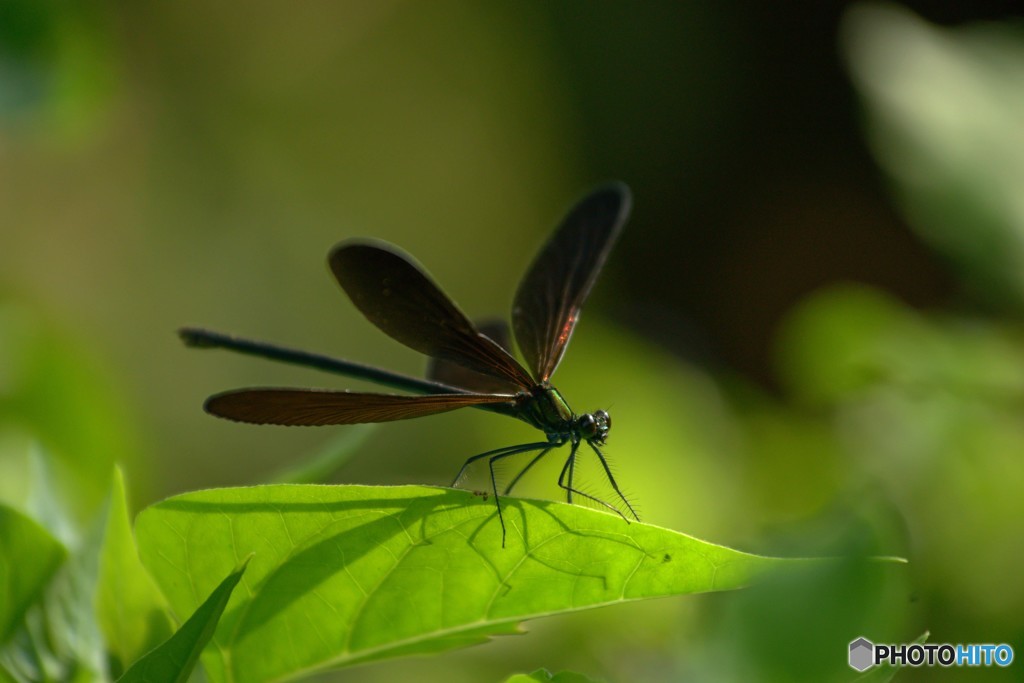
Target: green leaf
[
  {"x": 29, "y": 557},
  {"x": 846, "y": 341},
  {"x": 44, "y": 502},
  {"x": 174, "y": 660},
  {"x": 58, "y": 396},
  {"x": 132, "y": 612},
  {"x": 348, "y": 574},
  {"x": 58, "y": 638},
  {"x": 944, "y": 122},
  {"x": 58, "y": 67},
  {"x": 545, "y": 676}
]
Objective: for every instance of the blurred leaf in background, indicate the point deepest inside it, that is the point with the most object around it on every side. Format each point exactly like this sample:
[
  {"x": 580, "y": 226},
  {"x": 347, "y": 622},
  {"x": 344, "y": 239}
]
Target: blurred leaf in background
[
  {"x": 945, "y": 114},
  {"x": 931, "y": 404},
  {"x": 927, "y": 409},
  {"x": 57, "y": 70},
  {"x": 57, "y": 402},
  {"x": 22, "y": 581}
]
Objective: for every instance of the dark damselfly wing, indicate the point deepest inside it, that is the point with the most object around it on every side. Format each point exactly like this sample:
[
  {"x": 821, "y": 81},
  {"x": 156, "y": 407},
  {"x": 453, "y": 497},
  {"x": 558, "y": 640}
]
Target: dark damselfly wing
[
  {"x": 454, "y": 375},
  {"x": 398, "y": 297},
  {"x": 312, "y": 407},
  {"x": 548, "y": 302}
]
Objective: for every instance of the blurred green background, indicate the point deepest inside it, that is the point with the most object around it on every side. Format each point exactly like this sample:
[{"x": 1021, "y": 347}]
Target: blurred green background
[{"x": 809, "y": 335}]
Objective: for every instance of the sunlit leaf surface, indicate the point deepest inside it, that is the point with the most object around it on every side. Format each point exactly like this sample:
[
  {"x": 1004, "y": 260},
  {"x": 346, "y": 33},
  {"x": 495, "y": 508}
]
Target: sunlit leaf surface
[
  {"x": 174, "y": 660},
  {"x": 28, "y": 559},
  {"x": 129, "y": 607},
  {"x": 347, "y": 574}
]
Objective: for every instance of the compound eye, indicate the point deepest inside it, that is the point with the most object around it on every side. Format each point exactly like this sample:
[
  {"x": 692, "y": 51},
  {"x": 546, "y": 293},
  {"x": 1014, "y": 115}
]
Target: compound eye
[
  {"x": 588, "y": 426},
  {"x": 604, "y": 418}
]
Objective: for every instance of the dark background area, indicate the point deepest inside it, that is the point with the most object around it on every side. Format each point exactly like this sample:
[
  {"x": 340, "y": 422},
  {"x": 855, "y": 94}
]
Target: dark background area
[{"x": 755, "y": 183}]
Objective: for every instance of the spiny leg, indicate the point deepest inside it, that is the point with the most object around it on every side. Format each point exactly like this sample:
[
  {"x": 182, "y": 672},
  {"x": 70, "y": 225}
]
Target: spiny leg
[
  {"x": 570, "y": 490},
  {"x": 526, "y": 469},
  {"x": 571, "y": 464},
  {"x": 572, "y": 455},
  {"x": 496, "y": 451},
  {"x": 514, "y": 450},
  {"x": 611, "y": 479}
]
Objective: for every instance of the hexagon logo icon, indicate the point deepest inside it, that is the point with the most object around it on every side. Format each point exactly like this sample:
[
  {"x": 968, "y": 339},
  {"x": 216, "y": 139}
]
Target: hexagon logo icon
[{"x": 862, "y": 654}]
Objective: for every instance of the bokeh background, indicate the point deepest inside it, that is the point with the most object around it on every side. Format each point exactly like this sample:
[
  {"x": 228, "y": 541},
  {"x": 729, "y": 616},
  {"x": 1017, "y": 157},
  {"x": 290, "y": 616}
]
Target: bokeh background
[{"x": 809, "y": 335}]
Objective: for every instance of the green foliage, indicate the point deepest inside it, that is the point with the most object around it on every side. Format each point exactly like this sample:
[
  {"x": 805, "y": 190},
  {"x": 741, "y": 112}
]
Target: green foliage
[
  {"x": 62, "y": 424},
  {"x": 29, "y": 557},
  {"x": 55, "y": 65},
  {"x": 825, "y": 605},
  {"x": 927, "y": 408},
  {"x": 339, "y": 575},
  {"x": 944, "y": 121},
  {"x": 896, "y": 428},
  {"x": 56, "y": 636},
  {"x": 174, "y": 660},
  {"x": 131, "y": 610},
  {"x": 345, "y": 575}
]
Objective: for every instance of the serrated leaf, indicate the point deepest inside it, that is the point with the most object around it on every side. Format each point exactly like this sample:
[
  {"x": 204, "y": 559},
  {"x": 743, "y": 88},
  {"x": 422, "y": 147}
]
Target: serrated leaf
[
  {"x": 131, "y": 611},
  {"x": 29, "y": 557},
  {"x": 348, "y": 574},
  {"x": 174, "y": 660}
]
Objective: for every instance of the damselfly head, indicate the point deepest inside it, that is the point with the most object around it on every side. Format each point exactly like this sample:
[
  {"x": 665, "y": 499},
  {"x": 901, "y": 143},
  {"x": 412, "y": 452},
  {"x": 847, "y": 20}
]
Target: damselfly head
[{"x": 595, "y": 426}]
